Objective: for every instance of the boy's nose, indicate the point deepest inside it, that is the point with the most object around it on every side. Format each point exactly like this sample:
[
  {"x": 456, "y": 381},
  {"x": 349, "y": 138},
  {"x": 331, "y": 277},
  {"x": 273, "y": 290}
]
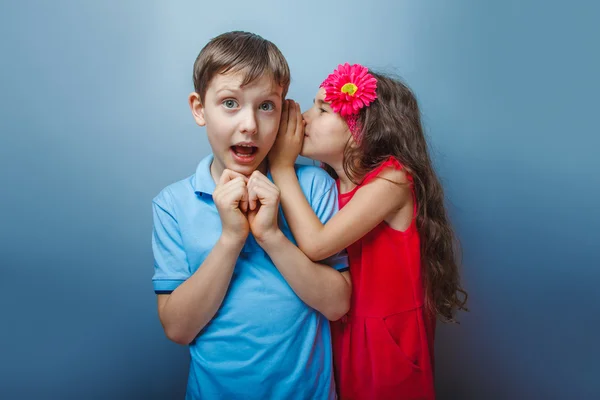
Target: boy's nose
[{"x": 248, "y": 124}]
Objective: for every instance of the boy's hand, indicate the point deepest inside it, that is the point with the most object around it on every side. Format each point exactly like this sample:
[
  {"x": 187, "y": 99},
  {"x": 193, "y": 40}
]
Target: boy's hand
[
  {"x": 263, "y": 207},
  {"x": 231, "y": 198},
  {"x": 289, "y": 138}
]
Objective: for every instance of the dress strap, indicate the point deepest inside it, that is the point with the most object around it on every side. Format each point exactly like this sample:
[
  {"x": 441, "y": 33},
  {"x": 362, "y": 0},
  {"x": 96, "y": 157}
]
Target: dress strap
[{"x": 391, "y": 162}]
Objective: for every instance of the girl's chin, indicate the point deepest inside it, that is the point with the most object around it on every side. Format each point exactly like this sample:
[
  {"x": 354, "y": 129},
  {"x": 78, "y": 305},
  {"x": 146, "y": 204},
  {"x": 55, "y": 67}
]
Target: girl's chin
[{"x": 305, "y": 152}]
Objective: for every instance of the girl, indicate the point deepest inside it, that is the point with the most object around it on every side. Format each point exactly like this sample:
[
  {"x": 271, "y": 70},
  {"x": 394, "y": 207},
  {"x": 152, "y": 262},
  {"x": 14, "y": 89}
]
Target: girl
[{"x": 365, "y": 129}]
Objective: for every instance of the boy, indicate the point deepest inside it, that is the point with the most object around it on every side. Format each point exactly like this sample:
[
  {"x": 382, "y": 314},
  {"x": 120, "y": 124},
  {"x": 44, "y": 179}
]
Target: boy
[{"x": 230, "y": 282}]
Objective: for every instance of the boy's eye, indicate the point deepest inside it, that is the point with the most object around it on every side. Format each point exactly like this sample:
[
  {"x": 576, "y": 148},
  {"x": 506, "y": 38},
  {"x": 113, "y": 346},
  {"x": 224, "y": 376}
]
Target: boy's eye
[
  {"x": 230, "y": 103},
  {"x": 268, "y": 106}
]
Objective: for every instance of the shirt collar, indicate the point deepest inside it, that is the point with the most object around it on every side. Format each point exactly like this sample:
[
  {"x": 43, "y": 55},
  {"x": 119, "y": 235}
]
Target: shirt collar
[{"x": 203, "y": 181}]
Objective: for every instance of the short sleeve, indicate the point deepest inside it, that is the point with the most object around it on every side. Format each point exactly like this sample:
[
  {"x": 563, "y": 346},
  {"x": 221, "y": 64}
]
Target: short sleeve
[
  {"x": 325, "y": 205},
  {"x": 171, "y": 267}
]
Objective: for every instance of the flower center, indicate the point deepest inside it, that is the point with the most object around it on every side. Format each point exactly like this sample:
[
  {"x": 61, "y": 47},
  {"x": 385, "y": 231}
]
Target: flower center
[{"x": 349, "y": 88}]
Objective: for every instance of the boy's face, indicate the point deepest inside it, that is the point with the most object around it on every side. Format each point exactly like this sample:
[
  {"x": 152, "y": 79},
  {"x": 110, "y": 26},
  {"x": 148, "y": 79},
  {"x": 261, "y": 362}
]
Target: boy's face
[{"x": 241, "y": 122}]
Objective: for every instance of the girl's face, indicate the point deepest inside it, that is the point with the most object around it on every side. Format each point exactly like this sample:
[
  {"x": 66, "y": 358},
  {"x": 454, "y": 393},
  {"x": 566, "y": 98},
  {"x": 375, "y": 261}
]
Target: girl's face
[{"x": 326, "y": 133}]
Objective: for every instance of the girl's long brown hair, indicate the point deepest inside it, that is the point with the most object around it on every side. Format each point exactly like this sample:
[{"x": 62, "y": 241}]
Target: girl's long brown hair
[{"x": 391, "y": 126}]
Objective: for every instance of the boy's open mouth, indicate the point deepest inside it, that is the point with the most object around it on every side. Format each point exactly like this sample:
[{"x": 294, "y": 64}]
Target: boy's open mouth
[{"x": 244, "y": 150}]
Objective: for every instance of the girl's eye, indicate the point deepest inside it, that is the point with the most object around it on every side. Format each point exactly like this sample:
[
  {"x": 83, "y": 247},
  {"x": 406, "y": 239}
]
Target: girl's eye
[
  {"x": 268, "y": 106},
  {"x": 230, "y": 104},
  {"x": 322, "y": 110}
]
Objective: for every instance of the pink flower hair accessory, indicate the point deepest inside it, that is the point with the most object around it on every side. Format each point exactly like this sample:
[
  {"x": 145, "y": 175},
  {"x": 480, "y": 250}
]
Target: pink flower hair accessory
[{"x": 348, "y": 89}]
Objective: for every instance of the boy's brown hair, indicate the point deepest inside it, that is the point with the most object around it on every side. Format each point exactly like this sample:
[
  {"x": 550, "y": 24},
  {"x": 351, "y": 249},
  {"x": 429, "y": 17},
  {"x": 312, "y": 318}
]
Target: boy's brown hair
[{"x": 244, "y": 52}]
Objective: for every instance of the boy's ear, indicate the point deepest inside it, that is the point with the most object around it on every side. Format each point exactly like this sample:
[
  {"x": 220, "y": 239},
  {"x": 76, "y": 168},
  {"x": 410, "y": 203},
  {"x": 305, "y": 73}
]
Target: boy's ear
[{"x": 197, "y": 108}]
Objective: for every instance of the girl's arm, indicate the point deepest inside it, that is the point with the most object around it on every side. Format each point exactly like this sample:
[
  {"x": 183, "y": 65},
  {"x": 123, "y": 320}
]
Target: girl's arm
[{"x": 370, "y": 205}]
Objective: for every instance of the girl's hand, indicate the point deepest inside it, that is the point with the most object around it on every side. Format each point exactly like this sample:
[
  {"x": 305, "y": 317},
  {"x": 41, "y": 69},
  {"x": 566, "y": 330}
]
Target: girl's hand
[{"x": 289, "y": 140}]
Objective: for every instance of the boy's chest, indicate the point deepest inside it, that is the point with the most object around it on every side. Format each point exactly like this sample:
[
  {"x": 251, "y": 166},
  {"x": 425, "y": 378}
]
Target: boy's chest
[{"x": 201, "y": 229}]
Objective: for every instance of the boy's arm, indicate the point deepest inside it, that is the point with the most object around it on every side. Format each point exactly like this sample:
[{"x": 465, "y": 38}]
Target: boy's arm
[
  {"x": 185, "y": 311},
  {"x": 320, "y": 286},
  {"x": 190, "y": 306}
]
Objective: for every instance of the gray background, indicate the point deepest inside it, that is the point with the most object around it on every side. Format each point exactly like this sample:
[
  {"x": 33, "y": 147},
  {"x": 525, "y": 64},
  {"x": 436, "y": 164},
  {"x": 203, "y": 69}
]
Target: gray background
[{"x": 94, "y": 122}]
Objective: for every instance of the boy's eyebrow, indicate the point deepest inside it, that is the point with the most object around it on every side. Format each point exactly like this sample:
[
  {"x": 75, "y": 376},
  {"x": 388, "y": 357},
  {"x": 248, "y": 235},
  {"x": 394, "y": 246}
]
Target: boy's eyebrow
[
  {"x": 227, "y": 89},
  {"x": 275, "y": 93},
  {"x": 237, "y": 89}
]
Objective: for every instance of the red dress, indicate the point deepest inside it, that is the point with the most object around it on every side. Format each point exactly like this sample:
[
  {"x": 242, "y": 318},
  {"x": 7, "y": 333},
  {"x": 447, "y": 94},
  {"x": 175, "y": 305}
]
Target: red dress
[{"x": 383, "y": 347}]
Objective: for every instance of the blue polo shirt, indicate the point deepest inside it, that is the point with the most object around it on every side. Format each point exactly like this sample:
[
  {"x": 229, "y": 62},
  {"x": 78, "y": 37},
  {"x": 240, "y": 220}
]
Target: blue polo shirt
[{"x": 264, "y": 342}]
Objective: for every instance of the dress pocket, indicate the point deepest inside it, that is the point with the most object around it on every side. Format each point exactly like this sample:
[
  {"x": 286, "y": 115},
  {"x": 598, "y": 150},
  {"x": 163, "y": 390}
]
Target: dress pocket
[{"x": 403, "y": 335}]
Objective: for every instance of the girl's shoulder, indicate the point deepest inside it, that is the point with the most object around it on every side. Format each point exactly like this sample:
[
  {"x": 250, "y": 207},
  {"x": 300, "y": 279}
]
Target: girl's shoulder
[{"x": 391, "y": 170}]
